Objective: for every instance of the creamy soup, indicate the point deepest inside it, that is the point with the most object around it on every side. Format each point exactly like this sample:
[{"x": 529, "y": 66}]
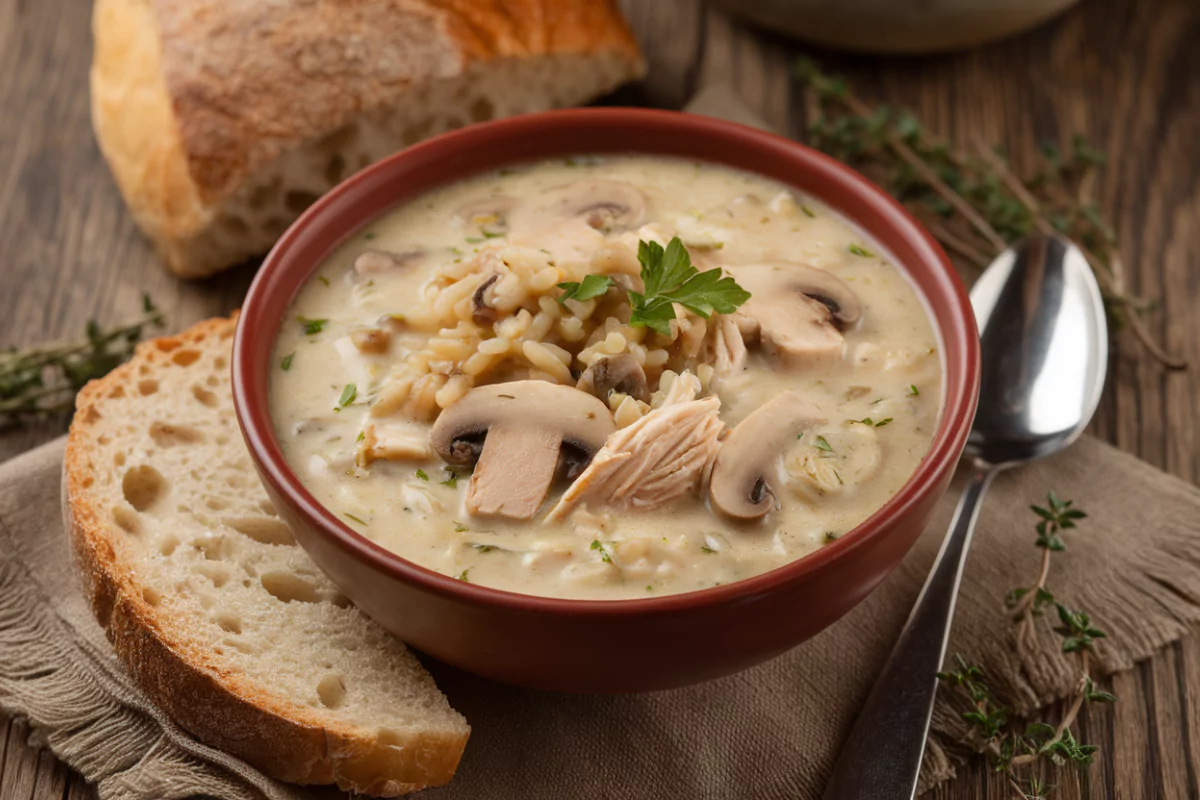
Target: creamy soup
[{"x": 606, "y": 378}]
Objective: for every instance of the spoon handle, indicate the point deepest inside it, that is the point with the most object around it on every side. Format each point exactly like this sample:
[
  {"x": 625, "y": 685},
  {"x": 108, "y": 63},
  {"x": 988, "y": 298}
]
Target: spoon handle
[{"x": 881, "y": 758}]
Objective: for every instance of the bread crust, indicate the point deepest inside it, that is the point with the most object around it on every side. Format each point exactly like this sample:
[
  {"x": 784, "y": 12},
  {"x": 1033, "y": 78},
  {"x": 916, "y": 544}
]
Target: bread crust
[
  {"x": 220, "y": 708},
  {"x": 193, "y": 98}
]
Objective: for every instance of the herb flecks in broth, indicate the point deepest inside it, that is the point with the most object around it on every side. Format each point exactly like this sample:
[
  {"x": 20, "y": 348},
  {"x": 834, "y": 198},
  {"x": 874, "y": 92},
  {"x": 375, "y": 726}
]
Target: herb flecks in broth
[{"x": 688, "y": 366}]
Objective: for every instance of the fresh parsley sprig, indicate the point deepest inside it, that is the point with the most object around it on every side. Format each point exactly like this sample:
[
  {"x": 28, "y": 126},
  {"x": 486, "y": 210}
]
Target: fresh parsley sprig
[
  {"x": 669, "y": 277},
  {"x": 590, "y": 287}
]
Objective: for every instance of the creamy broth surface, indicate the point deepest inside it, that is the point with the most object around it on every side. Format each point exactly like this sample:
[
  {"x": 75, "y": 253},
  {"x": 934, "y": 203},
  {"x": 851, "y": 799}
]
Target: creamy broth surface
[{"x": 458, "y": 289}]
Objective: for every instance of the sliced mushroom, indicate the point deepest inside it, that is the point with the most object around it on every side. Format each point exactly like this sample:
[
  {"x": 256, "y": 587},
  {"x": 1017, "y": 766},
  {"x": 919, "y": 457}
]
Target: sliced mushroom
[
  {"x": 804, "y": 321},
  {"x": 481, "y": 307},
  {"x": 516, "y": 434},
  {"x": 603, "y": 205},
  {"x": 373, "y": 341},
  {"x": 747, "y": 468},
  {"x": 488, "y": 214},
  {"x": 621, "y": 373},
  {"x": 376, "y": 262}
]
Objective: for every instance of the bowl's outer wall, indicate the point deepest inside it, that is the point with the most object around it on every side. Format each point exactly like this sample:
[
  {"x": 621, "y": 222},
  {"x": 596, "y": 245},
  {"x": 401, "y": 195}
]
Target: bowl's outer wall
[{"x": 618, "y": 645}]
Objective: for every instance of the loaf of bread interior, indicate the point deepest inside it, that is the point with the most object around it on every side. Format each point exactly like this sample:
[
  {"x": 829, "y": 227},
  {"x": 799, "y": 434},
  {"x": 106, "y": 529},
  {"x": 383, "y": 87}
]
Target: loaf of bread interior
[{"x": 212, "y": 607}]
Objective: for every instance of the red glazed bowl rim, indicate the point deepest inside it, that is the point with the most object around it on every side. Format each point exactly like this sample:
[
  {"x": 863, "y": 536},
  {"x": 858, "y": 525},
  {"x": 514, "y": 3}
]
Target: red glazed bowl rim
[{"x": 251, "y": 399}]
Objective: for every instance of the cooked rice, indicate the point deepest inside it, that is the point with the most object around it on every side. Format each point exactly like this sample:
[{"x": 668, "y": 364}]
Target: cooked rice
[{"x": 522, "y": 331}]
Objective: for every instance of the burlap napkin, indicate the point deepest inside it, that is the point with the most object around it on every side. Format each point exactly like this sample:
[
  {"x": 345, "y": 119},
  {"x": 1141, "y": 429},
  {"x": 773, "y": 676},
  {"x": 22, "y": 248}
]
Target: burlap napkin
[{"x": 769, "y": 733}]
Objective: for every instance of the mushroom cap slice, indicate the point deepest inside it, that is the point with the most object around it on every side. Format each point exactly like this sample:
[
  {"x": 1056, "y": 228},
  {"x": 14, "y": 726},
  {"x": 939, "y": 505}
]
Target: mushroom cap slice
[
  {"x": 377, "y": 262},
  {"x": 620, "y": 373},
  {"x": 602, "y": 204},
  {"x": 515, "y": 433},
  {"x": 488, "y": 213},
  {"x": 804, "y": 323},
  {"x": 746, "y": 471}
]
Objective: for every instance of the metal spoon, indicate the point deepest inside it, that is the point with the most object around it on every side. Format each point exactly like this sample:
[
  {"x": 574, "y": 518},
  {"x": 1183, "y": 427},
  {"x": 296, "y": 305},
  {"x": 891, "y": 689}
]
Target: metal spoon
[{"x": 1045, "y": 351}]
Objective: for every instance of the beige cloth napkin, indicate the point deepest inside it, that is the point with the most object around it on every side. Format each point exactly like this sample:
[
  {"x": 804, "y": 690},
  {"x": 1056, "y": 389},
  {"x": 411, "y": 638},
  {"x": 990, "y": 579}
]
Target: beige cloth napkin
[{"x": 770, "y": 733}]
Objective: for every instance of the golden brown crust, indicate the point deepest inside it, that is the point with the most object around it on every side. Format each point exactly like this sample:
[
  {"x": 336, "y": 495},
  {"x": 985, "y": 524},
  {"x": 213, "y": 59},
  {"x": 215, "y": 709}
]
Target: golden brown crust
[
  {"x": 193, "y": 98},
  {"x": 222, "y": 709},
  {"x": 304, "y": 70}
]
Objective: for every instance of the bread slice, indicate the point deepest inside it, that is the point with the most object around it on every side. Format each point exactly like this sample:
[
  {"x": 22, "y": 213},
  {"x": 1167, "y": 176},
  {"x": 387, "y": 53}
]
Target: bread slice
[
  {"x": 216, "y": 612},
  {"x": 223, "y": 119}
]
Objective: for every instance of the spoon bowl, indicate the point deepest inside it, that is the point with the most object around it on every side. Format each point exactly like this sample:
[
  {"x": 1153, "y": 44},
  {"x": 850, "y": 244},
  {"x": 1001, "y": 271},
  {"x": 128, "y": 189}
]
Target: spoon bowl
[{"x": 1045, "y": 350}]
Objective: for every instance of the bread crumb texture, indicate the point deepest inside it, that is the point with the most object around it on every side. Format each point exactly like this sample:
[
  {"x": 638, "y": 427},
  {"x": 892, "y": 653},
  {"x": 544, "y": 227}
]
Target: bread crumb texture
[{"x": 216, "y": 611}]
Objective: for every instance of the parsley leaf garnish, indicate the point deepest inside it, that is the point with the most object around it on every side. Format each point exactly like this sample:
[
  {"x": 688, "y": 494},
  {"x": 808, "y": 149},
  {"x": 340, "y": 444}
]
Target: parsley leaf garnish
[
  {"x": 312, "y": 326},
  {"x": 669, "y": 277},
  {"x": 821, "y": 444},
  {"x": 860, "y": 251},
  {"x": 348, "y": 395},
  {"x": 603, "y": 553},
  {"x": 286, "y": 363},
  {"x": 591, "y": 286},
  {"x": 422, "y": 475}
]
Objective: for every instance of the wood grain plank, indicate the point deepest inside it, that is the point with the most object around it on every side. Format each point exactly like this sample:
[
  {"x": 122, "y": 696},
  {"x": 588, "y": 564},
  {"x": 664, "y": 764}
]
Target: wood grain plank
[{"x": 19, "y": 768}]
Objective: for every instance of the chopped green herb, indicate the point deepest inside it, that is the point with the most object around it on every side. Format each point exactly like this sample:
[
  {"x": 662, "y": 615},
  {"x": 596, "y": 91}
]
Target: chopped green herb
[
  {"x": 883, "y": 422},
  {"x": 348, "y": 395},
  {"x": 361, "y": 435},
  {"x": 912, "y": 390},
  {"x": 474, "y": 239},
  {"x": 669, "y": 278},
  {"x": 484, "y": 548},
  {"x": 323, "y": 279},
  {"x": 422, "y": 475},
  {"x": 312, "y": 326},
  {"x": 286, "y": 363},
  {"x": 459, "y": 527},
  {"x": 808, "y": 212},
  {"x": 591, "y": 286},
  {"x": 603, "y": 553},
  {"x": 861, "y": 251},
  {"x": 830, "y": 536},
  {"x": 706, "y": 550},
  {"x": 452, "y": 478},
  {"x": 649, "y": 588},
  {"x": 800, "y": 436},
  {"x": 821, "y": 444},
  {"x": 456, "y": 251},
  {"x": 356, "y": 519},
  {"x": 462, "y": 576},
  {"x": 369, "y": 235},
  {"x": 864, "y": 421}
]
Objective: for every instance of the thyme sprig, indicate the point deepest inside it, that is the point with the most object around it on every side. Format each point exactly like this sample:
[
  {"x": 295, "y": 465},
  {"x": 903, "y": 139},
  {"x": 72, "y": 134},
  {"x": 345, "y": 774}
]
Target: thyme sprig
[
  {"x": 43, "y": 380},
  {"x": 971, "y": 200},
  {"x": 1017, "y": 752}
]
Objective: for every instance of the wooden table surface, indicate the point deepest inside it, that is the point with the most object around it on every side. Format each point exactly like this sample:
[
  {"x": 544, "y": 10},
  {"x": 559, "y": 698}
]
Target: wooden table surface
[{"x": 1126, "y": 73}]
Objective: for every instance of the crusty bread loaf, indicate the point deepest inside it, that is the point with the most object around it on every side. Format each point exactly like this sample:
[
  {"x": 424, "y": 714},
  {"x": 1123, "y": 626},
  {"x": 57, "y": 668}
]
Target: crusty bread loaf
[
  {"x": 223, "y": 119},
  {"x": 220, "y": 617}
]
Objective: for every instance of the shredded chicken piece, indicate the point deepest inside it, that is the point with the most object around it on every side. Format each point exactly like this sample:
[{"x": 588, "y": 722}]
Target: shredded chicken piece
[
  {"x": 727, "y": 347},
  {"x": 660, "y": 457},
  {"x": 396, "y": 442}
]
